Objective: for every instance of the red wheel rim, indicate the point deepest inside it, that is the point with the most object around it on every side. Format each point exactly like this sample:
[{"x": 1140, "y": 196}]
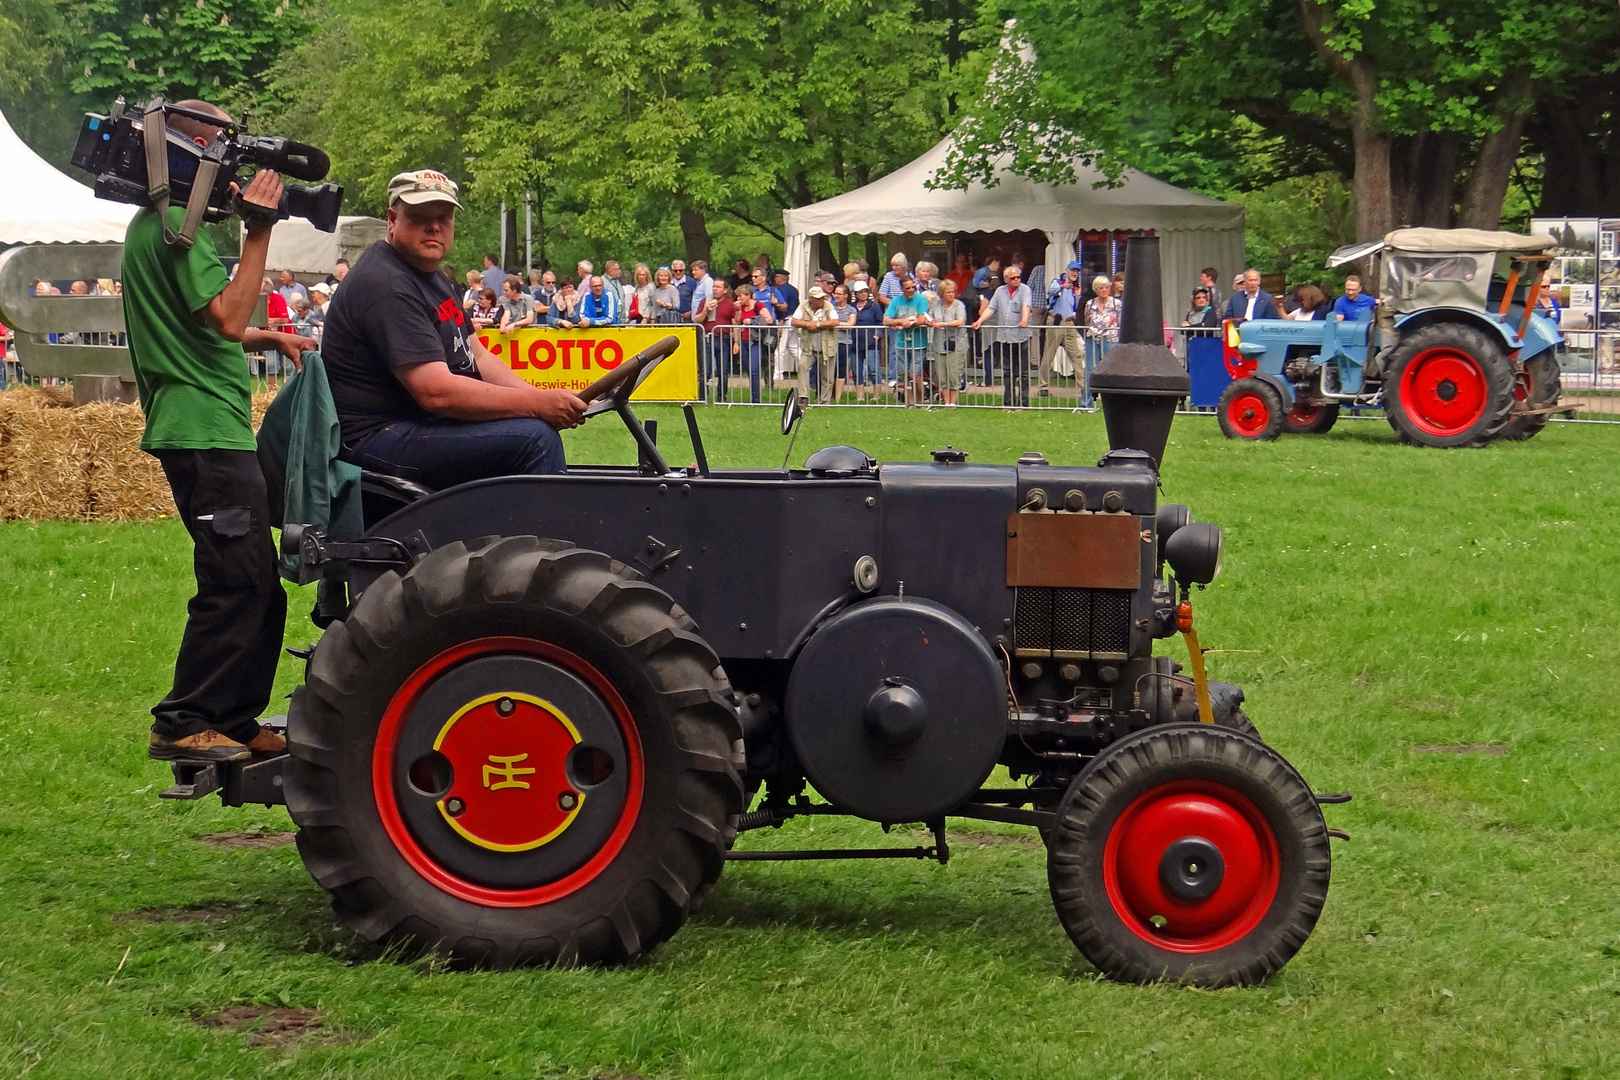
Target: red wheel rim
[
  {"x": 1249, "y": 413},
  {"x": 1444, "y": 391},
  {"x": 1303, "y": 414},
  {"x": 382, "y": 773},
  {"x": 1149, "y": 832}
]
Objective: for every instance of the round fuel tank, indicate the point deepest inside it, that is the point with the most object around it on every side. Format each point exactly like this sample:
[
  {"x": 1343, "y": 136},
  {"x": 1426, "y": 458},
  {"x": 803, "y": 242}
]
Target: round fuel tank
[{"x": 897, "y": 709}]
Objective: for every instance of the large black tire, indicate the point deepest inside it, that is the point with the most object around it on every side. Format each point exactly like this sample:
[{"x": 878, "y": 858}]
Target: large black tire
[
  {"x": 1188, "y": 853},
  {"x": 492, "y": 618},
  {"x": 1538, "y": 389},
  {"x": 1250, "y": 409},
  {"x": 1448, "y": 385},
  {"x": 1305, "y": 419}
]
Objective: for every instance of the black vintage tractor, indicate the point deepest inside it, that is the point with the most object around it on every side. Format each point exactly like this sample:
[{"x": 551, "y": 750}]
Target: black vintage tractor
[{"x": 549, "y": 705}]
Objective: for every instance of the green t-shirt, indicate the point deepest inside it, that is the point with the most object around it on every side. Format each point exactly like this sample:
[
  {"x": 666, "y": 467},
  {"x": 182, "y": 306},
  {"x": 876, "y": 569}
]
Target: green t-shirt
[{"x": 193, "y": 382}]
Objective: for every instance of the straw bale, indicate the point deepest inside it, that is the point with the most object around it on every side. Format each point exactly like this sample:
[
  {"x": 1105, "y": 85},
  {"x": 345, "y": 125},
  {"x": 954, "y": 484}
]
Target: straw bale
[
  {"x": 261, "y": 402},
  {"x": 83, "y": 464},
  {"x": 123, "y": 483},
  {"x": 45, "y": 466}
]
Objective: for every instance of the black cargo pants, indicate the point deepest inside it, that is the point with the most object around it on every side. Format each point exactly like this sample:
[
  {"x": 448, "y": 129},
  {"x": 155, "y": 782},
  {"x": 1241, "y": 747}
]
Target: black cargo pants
[{"x": 236, "y": 622}]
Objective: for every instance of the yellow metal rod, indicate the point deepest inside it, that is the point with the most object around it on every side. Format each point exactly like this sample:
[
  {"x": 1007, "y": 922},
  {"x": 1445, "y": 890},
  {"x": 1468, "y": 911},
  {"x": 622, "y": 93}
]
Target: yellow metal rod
[{"x": 1206, "y": 713}]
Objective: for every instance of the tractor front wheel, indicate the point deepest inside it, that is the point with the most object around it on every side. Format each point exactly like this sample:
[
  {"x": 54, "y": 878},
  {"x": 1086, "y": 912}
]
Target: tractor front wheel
[
  {"x": 516, "y": 752},
  {"x": 1188, "y": 853},
  {"x": 1449, "y": 385},
  {"x": 1250, "y": 409},
  {"x": 1536, "y": 388}
]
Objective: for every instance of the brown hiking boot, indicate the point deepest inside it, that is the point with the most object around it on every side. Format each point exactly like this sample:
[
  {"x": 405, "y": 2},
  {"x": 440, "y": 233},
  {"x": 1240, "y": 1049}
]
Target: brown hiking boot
[
  {"x": 268, "y": 742},
  {"x": 207, "y": 745}
]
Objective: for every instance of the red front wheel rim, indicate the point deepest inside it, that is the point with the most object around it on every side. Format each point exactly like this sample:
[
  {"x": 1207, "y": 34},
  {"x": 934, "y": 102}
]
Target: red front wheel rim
[
  {"x": 1444, "y": 391},
  {"x": 1249, "y": 413},
  {"x": 417, "y": 856},
  {"x": 1191, "y": 866}
]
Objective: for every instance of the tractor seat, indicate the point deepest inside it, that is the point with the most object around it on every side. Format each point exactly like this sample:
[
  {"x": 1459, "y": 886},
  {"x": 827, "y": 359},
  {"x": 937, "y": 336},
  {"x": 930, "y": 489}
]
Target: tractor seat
[
  {"x": 381, "y": 494},
  {"x": 393, "y": 487}
]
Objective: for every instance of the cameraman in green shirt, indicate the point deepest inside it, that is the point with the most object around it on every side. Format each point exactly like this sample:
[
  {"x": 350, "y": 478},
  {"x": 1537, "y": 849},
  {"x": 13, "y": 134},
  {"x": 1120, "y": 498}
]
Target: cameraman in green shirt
[{"x": 188, "y": 322}]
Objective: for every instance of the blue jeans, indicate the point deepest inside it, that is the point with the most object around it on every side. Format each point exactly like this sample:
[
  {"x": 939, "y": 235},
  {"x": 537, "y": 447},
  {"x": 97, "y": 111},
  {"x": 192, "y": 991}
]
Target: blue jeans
[
  {"x": 442, "y": 453},
  {"x": 1096, "y": 349},
  {"x": 906, "y": 360},
  {"x": 748, "y": 357}
]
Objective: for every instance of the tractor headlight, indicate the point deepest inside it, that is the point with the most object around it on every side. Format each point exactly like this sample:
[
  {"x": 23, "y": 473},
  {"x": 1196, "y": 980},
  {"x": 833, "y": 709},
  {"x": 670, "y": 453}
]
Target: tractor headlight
[{"x": 1194, "y": 553}]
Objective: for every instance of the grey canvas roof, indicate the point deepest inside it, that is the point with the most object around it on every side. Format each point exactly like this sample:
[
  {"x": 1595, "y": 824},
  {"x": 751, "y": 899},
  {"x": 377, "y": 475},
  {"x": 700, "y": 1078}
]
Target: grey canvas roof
[{"x": 1458, "y": 240}]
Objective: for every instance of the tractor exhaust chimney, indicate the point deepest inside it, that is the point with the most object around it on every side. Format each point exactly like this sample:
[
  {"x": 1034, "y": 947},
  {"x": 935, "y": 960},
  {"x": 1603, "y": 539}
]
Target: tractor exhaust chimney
[{"x": 1140, "y": 381}]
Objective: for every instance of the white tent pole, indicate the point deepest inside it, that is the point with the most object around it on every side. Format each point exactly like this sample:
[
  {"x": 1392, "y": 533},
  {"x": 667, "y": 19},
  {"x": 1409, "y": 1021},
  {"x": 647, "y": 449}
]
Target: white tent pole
[
  {"x": 528, "y": 229},
  {"x": 503, "y": 234}
]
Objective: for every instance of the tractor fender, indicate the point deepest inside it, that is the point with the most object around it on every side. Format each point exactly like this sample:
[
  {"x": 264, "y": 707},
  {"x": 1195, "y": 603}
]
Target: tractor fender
[
  {"x": 1497, "y": 331},
  {"x": 1281, "y": 385}
]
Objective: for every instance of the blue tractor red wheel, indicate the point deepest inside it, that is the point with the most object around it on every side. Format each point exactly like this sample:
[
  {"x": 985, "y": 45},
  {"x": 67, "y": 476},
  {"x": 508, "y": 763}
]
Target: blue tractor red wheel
[
  {"x": 1310, "y": 418},
  {"x": 1449, "y": 385},
  {"x": 1535, "y": 392},
  {"x": 1250, "y": 409}
]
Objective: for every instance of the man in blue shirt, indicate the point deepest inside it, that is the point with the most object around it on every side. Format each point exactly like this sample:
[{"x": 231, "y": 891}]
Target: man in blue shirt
[
  {"x": 1354, "y": 305},
  {"x": 493, "y": 276},
  {"x": 702, "y": 288},
  {"x": 789, "y": 295},
  {"x": 1063, "y": 302},
  {"x": 907, "y": 315},
  {"x": 684, "y": 286},
  {"x": 597, "y": 308}
]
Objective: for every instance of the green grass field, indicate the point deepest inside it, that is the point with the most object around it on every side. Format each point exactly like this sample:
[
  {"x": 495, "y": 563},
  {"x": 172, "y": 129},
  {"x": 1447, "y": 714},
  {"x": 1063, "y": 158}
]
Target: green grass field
[{"x": 1378, "y": 602}]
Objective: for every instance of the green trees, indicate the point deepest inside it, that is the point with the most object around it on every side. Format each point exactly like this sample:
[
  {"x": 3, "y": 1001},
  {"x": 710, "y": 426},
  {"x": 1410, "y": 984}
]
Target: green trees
[
  {"x": 1422, "y": 103},
  {"x": 626, "y": 115}
]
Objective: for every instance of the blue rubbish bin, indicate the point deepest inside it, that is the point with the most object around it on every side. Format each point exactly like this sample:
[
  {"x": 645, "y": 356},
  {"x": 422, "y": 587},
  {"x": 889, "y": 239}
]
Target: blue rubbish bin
[{"x": 1208, "y": 371}]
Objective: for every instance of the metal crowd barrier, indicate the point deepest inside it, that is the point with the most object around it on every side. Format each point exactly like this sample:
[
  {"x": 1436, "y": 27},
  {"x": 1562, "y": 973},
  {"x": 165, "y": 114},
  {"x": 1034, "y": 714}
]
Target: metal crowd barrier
[{"x": 755, "y": 364}]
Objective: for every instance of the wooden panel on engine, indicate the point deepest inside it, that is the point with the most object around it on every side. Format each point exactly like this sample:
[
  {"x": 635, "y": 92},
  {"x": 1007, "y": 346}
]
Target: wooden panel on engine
[{"x": 1075, "y": 551}]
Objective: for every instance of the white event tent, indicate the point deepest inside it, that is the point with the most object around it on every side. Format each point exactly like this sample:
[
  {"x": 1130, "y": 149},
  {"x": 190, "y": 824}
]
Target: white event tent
[
  {"x": 1194, "y": 231},
  {"x": 39, "y": 205}
]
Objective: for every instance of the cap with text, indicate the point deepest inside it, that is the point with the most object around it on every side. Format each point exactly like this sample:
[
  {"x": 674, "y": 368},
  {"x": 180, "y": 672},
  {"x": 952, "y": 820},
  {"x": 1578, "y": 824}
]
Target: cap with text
[{"x": 423, "y": 186}]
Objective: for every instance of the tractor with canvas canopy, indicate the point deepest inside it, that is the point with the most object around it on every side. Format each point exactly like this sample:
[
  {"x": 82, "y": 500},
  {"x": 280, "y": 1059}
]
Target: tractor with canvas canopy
[{"x": 1456, "y": 354}]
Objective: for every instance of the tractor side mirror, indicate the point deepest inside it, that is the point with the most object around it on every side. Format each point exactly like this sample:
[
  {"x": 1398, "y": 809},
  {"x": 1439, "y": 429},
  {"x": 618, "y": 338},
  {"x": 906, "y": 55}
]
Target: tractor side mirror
[{"x": 792, "y": 411}]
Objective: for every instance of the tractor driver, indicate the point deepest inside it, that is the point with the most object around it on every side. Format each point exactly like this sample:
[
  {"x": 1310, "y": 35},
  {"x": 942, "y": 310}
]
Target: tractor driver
[{"x": 418, "y": 396}]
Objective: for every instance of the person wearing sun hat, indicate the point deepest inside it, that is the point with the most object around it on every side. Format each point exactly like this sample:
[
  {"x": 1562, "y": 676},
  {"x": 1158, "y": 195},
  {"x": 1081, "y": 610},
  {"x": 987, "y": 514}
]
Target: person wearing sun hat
[{"x": 417, "y": 395}]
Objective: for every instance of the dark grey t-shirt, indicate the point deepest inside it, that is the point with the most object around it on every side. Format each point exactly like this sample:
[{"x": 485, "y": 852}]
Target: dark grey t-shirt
[
  {"x": 517, "y": 310},
  {"x": 388, "y": 316}
]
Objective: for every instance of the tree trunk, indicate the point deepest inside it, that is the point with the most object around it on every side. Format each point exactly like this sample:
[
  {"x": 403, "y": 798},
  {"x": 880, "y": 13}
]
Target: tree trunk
[
  {"x": 695, "y": 233},
  {"x": 1375, "y": 214},
  {"x": 1573, "y": 162},
  {"x": 1375, "y": 211},
  {"x": 825, "y": 259},
  {"x": 873, "y": 262},
  {"x": 843, "y": 251},
  {"x": 1488, "y": 180},
  {"x": 1423, "y": 178}
]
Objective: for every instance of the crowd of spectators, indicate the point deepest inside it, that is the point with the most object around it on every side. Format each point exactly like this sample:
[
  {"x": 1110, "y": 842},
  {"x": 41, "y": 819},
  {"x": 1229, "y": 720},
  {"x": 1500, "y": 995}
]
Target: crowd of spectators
[{"x": 910, "y": 333}]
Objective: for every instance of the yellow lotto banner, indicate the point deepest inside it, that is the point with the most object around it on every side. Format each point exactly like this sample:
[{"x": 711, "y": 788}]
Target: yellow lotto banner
[{"x": 573, "y": 359}]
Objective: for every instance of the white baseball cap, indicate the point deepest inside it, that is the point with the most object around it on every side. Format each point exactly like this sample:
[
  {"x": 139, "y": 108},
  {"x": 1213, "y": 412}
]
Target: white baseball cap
[{"x": 423, "y": 186}]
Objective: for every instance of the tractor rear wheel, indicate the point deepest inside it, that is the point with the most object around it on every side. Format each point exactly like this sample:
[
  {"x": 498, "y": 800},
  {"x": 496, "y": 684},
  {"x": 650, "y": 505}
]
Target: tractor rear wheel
[
  {"x": 1304, "y": 419},
  {"x": 1188, "y": 853},
  {"x": 1537, "y": 389},
  {"x": 516, "y": 752},
  {"x": 1449, "y": 385},
  {"x": 1250, "y": 409}
]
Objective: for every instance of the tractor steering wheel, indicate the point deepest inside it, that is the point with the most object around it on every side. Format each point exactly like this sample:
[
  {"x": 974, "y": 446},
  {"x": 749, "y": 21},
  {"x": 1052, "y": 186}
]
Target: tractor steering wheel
[{"x": 614, "y": 389}]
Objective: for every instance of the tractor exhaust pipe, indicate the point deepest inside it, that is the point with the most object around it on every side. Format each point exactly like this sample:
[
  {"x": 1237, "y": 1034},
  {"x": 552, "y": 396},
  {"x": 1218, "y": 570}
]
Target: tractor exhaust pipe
[{"x": 1140, "y": 381}]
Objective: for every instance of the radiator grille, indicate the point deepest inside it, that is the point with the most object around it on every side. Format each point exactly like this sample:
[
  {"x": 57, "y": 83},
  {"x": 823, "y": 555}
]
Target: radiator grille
[{"x": 1073, "y": 623}]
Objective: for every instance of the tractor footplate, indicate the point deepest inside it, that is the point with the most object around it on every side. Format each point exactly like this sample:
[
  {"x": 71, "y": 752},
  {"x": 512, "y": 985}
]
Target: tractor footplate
[
  {"x": 238, "y": 782},
  {"x": 192, "y": 780}
]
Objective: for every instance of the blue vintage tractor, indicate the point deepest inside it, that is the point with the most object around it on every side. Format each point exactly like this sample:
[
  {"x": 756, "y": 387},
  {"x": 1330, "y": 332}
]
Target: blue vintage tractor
[{"x": 1455, "y": 356}]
